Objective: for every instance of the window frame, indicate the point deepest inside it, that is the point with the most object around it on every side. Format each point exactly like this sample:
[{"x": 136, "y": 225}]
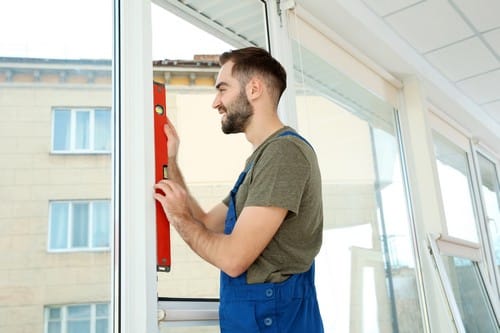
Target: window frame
[
  {"x": 463, "y": 139},
  {"x": 439, "y": 245},
  {"x": 182, "y": 312},
  {"x": 72, "y": 150},
  {"x": 69, "y": 223},
  {"x": 478, "y": 150}
]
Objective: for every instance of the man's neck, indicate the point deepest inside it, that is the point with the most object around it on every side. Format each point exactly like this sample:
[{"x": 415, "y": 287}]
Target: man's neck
[{"x": 258, "y": 131}]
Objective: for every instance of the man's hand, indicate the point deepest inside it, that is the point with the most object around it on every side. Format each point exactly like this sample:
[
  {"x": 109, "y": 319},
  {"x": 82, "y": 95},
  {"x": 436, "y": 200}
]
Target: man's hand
[
  {"x": 174, "y": 200},
  {"x": 172, "y": 140}
]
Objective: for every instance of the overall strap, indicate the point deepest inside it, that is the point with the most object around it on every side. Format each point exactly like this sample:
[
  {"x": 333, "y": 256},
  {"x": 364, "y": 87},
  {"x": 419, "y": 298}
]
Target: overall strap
[{"x": 292, "y": 133}]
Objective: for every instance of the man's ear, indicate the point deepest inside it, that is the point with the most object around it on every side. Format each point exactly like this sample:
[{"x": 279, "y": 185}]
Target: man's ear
[{"x": 254, "y": 88}]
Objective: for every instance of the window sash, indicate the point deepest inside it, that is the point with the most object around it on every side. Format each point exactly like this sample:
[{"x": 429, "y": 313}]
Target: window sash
[
  {"x": 463, "y": 253},
  {"x": 81, "y": 130},
  {"x": 79, "y": 225}
]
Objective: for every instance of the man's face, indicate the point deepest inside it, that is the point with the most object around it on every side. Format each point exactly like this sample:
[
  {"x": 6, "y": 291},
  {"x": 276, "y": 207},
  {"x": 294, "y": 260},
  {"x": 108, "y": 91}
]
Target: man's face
[{"x": 231, "y": 101}]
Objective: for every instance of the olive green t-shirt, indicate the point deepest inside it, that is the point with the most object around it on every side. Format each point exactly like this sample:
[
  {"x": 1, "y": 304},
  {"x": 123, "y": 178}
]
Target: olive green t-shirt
[{"x": 284, "y": 173}]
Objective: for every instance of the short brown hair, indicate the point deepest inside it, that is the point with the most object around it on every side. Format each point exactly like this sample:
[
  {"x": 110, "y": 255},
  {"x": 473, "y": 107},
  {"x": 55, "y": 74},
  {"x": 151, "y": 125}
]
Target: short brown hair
[{"x": 250, "y": 61}]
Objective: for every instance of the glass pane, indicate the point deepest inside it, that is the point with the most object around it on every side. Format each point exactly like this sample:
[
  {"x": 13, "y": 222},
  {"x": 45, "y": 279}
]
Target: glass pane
[
  {"x": 80, "y": 226},
  {"x": 101, "y": 326},
  {"x": 59, "y": 220},
  {"x": 102, "y": 130},
  {"x": 470, "y": 295},
  {"x": 365, "y": 272},
  {"x": 54, "y": 327},
  {"x": 79, "y": 327},
  {"x": 82, "y": 140},
  {"x": 491, "y": 196},
  {"x": 54, "y": 313},
  {"x": 454, "y": 179},
  {"x": 78, "y": 311},
  {"x": 61, "y": 130},
  {"x": 185, "y": 60},
  {"x": 101, "y": 221},
  {"x": 190, "y": 276},
  {"x": 60, "y": 61},
  {"x": 101, "y": 310},
  {"x": 187, "y": 64}
]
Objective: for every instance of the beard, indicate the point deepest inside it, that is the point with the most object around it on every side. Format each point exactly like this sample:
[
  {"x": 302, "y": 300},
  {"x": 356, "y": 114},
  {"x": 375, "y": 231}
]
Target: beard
[{"x": 237, "y": 115}]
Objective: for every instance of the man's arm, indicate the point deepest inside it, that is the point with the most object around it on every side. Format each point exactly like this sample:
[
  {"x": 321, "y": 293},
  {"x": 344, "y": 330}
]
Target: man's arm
[
  {"x": 214, "y": 219},
  {"x": 232, "y": 253}
]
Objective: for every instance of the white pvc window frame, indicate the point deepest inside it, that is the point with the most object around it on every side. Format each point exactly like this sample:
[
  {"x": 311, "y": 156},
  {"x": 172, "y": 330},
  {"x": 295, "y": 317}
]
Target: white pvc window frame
[
  {"x": 489, "y": 255},
  {"x": 181, "y": 312},
  {"x": 462, "y": 139},
  {"x": 134, "y": 248},
  {"x": 439, "y": 245}
]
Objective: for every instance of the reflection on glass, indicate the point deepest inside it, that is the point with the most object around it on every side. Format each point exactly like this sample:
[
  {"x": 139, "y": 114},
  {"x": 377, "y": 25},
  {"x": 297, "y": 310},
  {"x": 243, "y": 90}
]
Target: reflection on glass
[
  {"x": 82, "y": 141},
  {"x": 470, "y": 295},
  {"x": 79, "y": 230},
  {"x": 454, "y": 180},
  {"x": 365, "y": 273},
  {"x": 102, "y": 131},
  {"x": 242, "y": 24},
  {"x": 58, "y": 225},
  {"x": 101, "y": 224},
  {"x": 61, "y": 129},
  {"x": 54, "y": 71},
  {"x": 491, "y": 195}
]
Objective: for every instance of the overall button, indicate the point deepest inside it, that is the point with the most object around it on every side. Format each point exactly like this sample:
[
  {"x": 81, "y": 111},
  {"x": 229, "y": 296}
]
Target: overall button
[
  {"x": 269, "y": 292},
  {"x": 268, "y": 321}
]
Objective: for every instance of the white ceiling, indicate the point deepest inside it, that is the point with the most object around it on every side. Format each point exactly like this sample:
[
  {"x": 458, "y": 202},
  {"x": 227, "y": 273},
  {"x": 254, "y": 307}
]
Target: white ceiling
[{"x": 453, "y": 44}]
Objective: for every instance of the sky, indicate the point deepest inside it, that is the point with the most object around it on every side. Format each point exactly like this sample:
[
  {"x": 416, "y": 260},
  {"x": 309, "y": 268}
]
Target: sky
[{"x": 70, "y": 29}]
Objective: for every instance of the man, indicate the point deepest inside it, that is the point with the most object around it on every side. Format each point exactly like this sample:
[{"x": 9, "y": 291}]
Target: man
[{"x": 265, "y": 234}]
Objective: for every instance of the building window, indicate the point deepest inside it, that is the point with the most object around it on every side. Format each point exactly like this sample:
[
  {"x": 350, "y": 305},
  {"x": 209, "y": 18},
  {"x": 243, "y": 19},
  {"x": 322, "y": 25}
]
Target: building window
[
  {"x": 79, "y": 225},
  {"x": 81, "y": 130},
  {"x": 79, "y": 318}
]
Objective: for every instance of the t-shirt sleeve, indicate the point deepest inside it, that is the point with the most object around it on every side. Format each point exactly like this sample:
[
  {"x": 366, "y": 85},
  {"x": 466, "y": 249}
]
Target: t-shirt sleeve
[
  {"x": 279, "y": 177},
  {"x": 225, "y": 201}
]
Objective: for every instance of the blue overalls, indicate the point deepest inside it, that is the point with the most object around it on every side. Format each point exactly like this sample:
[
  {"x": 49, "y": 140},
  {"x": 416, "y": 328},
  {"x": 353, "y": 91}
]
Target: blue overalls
[{"x": 286, "y": 307}]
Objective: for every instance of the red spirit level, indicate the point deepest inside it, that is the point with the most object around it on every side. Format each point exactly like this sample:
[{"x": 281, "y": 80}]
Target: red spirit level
[{"x": 163, "y": 260}]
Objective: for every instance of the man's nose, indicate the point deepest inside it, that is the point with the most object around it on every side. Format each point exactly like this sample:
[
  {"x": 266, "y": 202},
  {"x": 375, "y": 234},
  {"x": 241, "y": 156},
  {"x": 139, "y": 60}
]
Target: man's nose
[{"x": 216, "y": 103}]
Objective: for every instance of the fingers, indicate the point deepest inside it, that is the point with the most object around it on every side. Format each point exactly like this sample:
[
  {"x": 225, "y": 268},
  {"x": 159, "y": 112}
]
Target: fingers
[
  {"x": 169, "y": 129},
  {"x": 158, "y": 197},
  {"x": 169, "y": 189},
  {"x": 172, "y": 140},
  {"x": 173, "y": 199},
  {"x": 164, "y": 185},
  {"x": 163, "y": 192}
]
